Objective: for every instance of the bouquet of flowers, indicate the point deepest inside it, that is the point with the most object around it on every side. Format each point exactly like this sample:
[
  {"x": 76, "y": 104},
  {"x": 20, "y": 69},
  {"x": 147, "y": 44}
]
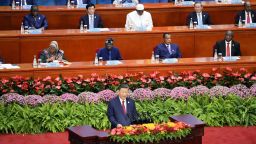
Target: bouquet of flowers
[{"x": 150, "y": 132}]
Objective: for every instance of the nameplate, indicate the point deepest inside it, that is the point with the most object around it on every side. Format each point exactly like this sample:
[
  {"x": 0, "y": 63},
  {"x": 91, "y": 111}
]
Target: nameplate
[
  {"x": 129, "y": 4},
  {"x": 251, "y": 25},
  {"x": 113, "y": 62},
  {"x": 202, "y": 27},
  {"x": 35, "y": 31},
  {"x": 81, "y": 6},
  {"x": 170, "y": 60},
  {"x": 26, "y": 7},
  {"x": 231, "y": 58}
]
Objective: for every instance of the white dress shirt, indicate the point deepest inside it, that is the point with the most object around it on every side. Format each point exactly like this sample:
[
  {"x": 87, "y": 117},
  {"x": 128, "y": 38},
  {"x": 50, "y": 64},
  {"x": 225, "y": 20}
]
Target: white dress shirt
[
  {"x": 91, "y": 21},
  {"x": 125, "y": 105},
  {"x": 199, "y": 18},
  {"x": 137, "y": 22},
  {"x": 249, "y": 16}
]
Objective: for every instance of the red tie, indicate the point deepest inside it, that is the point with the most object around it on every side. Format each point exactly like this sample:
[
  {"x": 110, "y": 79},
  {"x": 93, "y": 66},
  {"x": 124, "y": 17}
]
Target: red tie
[
  {"x": 228, "y": 50},
  {"x": 248, "y": 18},
  {"x": 123, "y": 107}
]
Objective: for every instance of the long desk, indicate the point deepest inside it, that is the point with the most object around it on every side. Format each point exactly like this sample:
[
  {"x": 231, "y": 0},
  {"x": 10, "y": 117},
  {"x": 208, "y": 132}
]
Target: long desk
[
  {"x": 163, "y": 14},
  {"x": 132, "y": 66},
  {"x": 20, "y": 48}
]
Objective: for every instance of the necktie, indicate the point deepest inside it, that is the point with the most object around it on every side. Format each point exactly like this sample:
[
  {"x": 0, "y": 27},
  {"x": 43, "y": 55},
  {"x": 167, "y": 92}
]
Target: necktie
[
  {"x": 109, "y": 55},
  {"x": 79, "y": 2},
  {"x": 91, "y": 25},
  {"x": 228, "y": 50},
  {"x": 123, "y": 106},
  {"x": 248, "y": 18},
  {"x": 169, "y": 48},
  {"x": 199, "y": 19}
]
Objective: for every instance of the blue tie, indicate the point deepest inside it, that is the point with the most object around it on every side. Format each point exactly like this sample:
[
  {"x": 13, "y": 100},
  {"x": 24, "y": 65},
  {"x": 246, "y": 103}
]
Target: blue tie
[{"x": 109, "y": 55}]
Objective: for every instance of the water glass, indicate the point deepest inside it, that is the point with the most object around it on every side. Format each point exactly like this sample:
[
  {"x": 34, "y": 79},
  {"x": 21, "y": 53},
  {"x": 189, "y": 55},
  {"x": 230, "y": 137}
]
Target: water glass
[
  {"x": 157, "y": 58},
  {"x": 100, "y": 60}
]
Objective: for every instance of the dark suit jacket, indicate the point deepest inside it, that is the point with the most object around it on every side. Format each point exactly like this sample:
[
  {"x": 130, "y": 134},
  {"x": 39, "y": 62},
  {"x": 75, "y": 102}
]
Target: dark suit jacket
[
  {"x": 116, "y": 115},
  {"x": 242, "y": 15},
  {"x": 163, "y": 52},
  {"x": 221, "y": 48},
  {"x": 84, "y": 2},
  {"x": 205, "y": 17},
  {"x": 39, "y": 22},
  {"x": 97, "y": 21},
  {"x": 29, "y": 2}
]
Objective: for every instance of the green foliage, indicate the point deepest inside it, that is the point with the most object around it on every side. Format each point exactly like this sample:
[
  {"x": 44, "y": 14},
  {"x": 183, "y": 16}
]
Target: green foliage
[{"x": 219, "y": 111}]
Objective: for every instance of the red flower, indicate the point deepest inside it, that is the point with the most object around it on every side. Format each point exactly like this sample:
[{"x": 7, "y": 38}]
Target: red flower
[
  {"x": 236, "y": 74},
  {"x": 24, "y": 86},
  {"x": 191, "y": 78}
]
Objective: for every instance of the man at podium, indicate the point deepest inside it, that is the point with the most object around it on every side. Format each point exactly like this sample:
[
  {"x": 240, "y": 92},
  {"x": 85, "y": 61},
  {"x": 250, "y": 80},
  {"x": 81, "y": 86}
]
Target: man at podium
[{"x": 121, "y": 109}]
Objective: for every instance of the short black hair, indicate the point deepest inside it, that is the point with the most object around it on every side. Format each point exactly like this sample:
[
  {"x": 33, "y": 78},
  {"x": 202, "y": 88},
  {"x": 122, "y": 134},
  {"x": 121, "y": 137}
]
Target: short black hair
[
  {"x": 34, "y": 8},
  {"x": 198, "y": 2},
  {"x": 124, "y": 85},
  {"x": 90, "y": 5},
  {"x": 109, "y": 41},
  {"x": 164, "y": 34}
]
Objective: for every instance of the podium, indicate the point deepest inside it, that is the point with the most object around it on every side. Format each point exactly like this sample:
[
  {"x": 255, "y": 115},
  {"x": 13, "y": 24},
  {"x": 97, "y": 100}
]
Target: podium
[{"x": 88, "y": 135}]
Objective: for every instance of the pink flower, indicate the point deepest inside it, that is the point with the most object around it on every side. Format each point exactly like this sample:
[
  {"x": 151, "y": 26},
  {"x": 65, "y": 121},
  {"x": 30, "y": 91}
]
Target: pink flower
[
  {"x": 243, "y": 70},
  {"x": 47, "y": 78},
  {"x": 236, "y": 74},
  {"x": 69, "y": 80},
  {"x": 214, "y": 69},
  {"x": 4, "y": 81},
  {"x": 205, "y": 75},
  {"x": 229, "y": 69},
  {"x": 191, "y": 78},
  {"x": 253, "y": 78},
  {"x": 218, "y": 75},
  {"x": 120, "y": 77},
  {"x": 58, "y": 87},
  {"x": 161, "y": 78},
  {"x": 57, "y": 79},
  {"x": 247, "y": 75}
]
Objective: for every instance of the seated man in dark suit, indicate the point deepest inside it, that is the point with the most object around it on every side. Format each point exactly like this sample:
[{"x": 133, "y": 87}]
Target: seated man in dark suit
[
  {"x": 24, "y": 2},
  {"x": 109, "y": 52},
  {"x": 228, "y": 47},
  {"x": 80, "y": 2},
  {"x": 34, "y": 20},
  {"x": 1, "y": 61},
  {"x": 247, "y": 15},
  {"x": 92, "y": 20},
  {"x": 167, "y": 49},
  {"x": 121, "y": 109},
  {"x": 198, "y": 16}
]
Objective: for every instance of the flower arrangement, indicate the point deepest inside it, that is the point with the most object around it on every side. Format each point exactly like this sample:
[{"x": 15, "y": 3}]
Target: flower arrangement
[
  {"x": 96, "y": 83},
  {"x": 180, "y": 93},
  {"x": 142, "y": 94},
  {"x": 88, "y": 97},
  {"x": 150, "y": 132}
]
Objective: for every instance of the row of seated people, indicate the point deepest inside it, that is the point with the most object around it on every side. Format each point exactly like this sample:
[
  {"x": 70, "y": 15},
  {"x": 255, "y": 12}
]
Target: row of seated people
[
  {"x": 138, "y": 19},
  {"x": 76, "y": 2},
  {"x": 166, "y": 49}
]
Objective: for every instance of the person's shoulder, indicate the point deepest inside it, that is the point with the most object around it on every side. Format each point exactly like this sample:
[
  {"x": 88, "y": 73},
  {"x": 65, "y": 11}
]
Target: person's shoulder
[
  {"x": 114, "y": 99},
  {"x": 175, "y": 45},
  {"x": 41, "y": 15},
  {"x": 130, "y": 100},
  {"x": 131, "y": 13},
  {"x": 236, "y": 42}
]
